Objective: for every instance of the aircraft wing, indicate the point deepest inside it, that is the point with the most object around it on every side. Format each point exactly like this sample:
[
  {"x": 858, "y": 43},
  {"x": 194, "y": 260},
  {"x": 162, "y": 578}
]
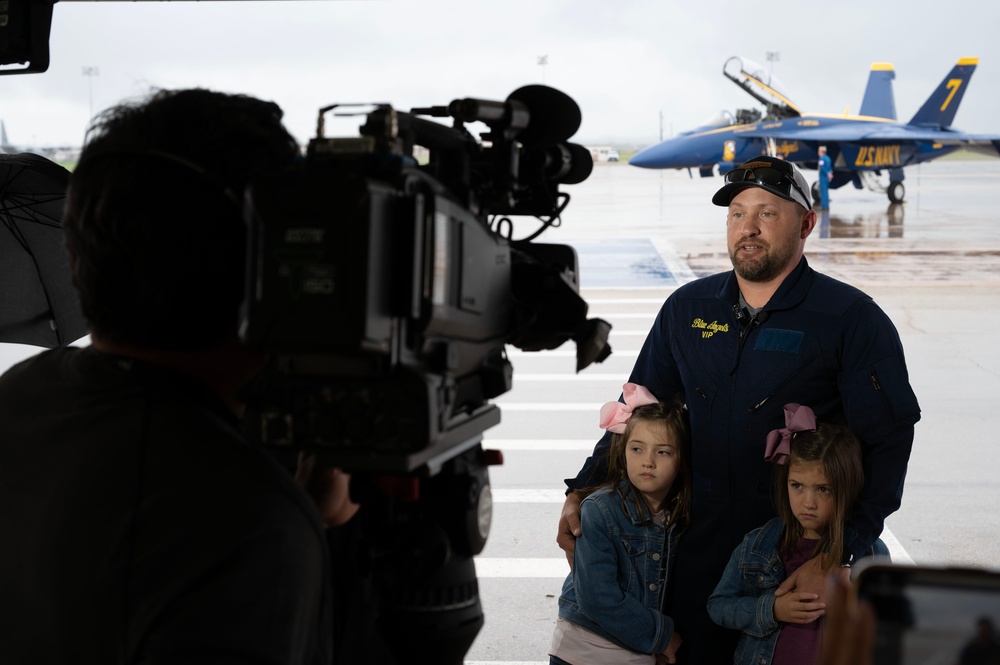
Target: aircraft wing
[
  {"x": 865, "y": 131},
  {"x": 871, "y": 143}
]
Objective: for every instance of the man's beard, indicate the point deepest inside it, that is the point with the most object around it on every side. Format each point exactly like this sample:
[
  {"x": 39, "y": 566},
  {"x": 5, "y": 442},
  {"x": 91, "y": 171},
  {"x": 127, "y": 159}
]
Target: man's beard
[{"x": 764, "y": 268}]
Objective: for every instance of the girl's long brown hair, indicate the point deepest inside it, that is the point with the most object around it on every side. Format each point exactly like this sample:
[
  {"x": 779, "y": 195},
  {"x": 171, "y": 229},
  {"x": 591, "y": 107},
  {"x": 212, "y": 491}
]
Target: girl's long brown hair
[
  {"x": 837, "y": 449},
  {"x": 674, "y": 415}
]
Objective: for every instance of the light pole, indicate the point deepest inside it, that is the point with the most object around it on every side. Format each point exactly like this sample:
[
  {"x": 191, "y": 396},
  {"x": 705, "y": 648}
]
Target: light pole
[
  {"x": 90, "y": 73},
  {"x": 542, "y": 61}
]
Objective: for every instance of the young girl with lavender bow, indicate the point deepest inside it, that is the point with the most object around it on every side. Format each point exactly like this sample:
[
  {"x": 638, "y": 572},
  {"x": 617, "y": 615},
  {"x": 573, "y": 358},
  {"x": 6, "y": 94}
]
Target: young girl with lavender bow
[
  {"x": 611, "y": 607},
  {"x": 817, "y": 480}
]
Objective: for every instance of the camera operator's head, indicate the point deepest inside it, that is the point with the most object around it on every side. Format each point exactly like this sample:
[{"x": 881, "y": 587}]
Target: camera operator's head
[{"x": 153, "y": 220}]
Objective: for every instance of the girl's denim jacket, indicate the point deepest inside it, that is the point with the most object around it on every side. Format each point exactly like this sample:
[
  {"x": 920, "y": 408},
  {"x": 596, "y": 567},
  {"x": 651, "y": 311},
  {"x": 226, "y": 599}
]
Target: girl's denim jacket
[
  {"x": 614, "y": 589},
  {"x": 744, "y": 597}
]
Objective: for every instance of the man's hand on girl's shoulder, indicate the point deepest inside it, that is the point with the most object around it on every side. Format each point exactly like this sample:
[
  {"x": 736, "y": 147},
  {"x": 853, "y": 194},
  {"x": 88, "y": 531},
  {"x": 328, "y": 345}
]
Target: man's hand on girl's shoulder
[{"x": 569, "y": 525}]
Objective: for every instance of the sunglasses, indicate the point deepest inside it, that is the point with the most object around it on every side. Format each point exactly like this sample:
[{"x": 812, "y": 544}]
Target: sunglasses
[{"x": 771, "y": 177}]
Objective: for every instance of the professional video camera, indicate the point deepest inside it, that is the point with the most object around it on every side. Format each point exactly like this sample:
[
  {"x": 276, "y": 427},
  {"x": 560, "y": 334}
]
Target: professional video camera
[{"x": 385, "y": 290}]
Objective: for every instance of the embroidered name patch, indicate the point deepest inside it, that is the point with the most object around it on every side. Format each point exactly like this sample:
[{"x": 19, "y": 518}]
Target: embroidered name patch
[
  {"x": 776, "y": 339},
  {"x": 708, "y": 329}
]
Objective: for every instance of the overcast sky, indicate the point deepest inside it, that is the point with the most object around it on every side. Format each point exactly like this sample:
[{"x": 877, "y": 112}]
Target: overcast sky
[{"x": 625, "y": 62}]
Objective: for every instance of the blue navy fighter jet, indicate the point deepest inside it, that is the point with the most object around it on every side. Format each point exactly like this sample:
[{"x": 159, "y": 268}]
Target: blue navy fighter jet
[{"x": 861, "y": 146}]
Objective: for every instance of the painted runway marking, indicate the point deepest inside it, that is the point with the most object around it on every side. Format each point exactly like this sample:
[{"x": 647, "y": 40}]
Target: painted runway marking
[
  {"x": 897, "y": 552},
  {"x": 558, "y": 568},
  {"x": 566, "y": 377},
  {"x": 570, "y": 352},
  {"x": 529, "y": 496},
  {"x": 550, "y": 406},
  {"x": 547, "y": 444},
  {"x": 623, "y": 262},
  {"x": 535, "y": 567},
  {"x": 624, "y": 301},
  {"x": 623, "y": 315},
  {"x": 548, "y": 568}
]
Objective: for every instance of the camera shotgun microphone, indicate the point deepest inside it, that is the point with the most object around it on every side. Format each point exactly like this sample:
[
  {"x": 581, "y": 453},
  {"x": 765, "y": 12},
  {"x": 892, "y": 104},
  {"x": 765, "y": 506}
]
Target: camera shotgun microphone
[{"x": 512, "y": 114}]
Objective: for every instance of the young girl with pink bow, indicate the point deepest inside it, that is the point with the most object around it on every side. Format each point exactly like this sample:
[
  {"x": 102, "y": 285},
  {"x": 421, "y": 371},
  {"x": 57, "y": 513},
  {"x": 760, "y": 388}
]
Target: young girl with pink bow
[
  {"x": 611, "y": 607},
  {"x": 817, "y": 480}
]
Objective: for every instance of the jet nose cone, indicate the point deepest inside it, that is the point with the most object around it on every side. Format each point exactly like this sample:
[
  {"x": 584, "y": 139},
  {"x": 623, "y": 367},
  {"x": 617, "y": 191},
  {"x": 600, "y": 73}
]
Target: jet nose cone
[
  {"x": 641, "y": 158},
  {"x": 648, "y": 158},
  {"x": 670, "y": 154}
]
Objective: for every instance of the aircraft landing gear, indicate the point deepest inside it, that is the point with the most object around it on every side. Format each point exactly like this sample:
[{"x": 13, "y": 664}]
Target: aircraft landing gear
[
  {"x": 895, "y": 191},
  {"x": 814, "y": 190}
]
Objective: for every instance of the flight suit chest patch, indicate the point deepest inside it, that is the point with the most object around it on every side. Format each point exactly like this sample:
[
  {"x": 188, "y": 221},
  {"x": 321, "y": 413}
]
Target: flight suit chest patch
[
  {"x": 709, "y": 328},
  {"x": 776, "y": 339}
]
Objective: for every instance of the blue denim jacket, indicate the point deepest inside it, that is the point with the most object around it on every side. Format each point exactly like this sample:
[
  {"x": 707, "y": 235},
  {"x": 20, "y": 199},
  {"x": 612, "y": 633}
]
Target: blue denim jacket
[
  {"x": 614, "y": 589},
  {"x": 744, "y": 597}
]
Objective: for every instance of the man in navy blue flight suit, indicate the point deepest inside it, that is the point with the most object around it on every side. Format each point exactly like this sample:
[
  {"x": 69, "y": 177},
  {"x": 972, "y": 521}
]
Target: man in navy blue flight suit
[{"x": 737, "y": 347}]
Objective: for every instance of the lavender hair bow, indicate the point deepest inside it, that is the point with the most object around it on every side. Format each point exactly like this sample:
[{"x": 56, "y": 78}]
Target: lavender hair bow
[
  {"x": 798, "y": 418},
  {"x": 615, "y": 415}
]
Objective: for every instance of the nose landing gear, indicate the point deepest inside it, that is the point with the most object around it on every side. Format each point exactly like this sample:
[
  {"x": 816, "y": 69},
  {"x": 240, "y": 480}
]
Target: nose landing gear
[{"x": 895, "y": 191}]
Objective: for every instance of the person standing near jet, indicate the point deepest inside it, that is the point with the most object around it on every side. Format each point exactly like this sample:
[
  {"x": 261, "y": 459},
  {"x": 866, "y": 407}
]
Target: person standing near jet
[
  {"x": 825, "y": 168},
  {"x": 740, "y": 345}
]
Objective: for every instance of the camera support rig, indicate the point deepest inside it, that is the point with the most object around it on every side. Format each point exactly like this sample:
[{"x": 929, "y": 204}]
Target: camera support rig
[{"x": 386, "y": 298}]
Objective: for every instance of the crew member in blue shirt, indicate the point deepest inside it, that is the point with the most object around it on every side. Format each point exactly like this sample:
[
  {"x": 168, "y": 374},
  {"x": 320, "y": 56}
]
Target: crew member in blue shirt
[{"x": 825, "y": 168}]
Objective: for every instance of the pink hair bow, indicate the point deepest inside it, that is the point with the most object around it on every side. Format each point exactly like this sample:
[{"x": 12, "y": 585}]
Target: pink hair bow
[
  {"x": 798, "y": 418},
  {"x": 615, "y": 415}
]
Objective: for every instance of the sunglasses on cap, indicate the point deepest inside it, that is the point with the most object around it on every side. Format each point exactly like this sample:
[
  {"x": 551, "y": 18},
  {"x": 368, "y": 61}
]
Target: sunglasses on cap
[{"x": 768, "y": 176}]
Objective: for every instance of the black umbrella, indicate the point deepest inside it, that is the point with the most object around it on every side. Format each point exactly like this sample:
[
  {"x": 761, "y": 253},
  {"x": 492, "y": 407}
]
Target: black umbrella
[{"x": 38, "y": 304}]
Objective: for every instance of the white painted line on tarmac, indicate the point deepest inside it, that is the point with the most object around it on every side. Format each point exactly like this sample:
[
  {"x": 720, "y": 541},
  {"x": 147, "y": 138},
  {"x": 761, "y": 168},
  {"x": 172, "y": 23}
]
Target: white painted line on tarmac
[
  {"x": 554, "y": 353},
  {"x": 550, "y": 406},
  {"x": 529, "y": 496},
  {"x": 646, "y": 316},
  {"x": 557, "y": 567},
  {"x": 675, "y": 264},
  {"x": 897, "y": 552},
  {"x": 568, "y": 353},
  {"x": 549, "y": 567},
  {"x": 625, "y": 301},
  {"x": 540, "y": 445},
  {"x": 566, "y": 377},
  {"x": 639, "y": 288}
]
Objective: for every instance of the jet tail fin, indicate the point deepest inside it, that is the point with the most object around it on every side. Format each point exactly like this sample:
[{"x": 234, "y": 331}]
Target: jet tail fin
[
  {"x": 940, "y": 108},
  {"x": 879, "y": 101},
  {"x": 4, "y": 143}
]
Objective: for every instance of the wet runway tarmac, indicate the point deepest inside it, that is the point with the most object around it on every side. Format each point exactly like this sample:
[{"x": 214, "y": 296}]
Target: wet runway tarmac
[
  {"x": 946, "y": 226},
  {"x": 933, "y": 263}
]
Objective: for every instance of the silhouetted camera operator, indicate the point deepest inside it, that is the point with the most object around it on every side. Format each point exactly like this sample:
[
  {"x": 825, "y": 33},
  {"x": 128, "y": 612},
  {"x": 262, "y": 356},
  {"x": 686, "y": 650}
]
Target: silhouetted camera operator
[
  {"x": 138, "y": 523},
  {"x": 143, "y": 524}
]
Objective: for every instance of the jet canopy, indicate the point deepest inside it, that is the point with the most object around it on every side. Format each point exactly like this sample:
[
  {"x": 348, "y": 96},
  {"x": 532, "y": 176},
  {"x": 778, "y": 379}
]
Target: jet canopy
[
  {"x": 760, "y": 84},
  {"x": 725, "y": 118}
]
